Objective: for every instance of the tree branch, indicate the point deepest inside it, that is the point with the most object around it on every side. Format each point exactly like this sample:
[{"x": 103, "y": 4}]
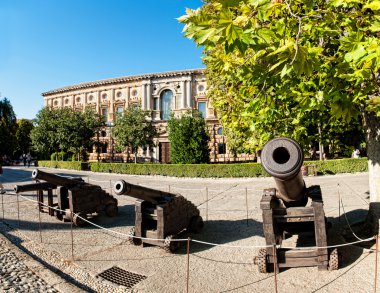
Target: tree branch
[{"x": 299, "y": 30}]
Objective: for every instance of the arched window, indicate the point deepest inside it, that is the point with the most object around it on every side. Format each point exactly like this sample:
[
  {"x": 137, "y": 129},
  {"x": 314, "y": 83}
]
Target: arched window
[{"x": 166, "y": 104}]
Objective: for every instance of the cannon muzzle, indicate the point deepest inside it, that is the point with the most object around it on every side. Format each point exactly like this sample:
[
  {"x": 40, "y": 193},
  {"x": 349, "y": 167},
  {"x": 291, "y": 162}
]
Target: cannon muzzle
[
  {"x": 55, "y": 179},
  {"x": 148, "y": 194},
  {"x": 282, "y": 158},
  {"x": 34, "y": 187}
]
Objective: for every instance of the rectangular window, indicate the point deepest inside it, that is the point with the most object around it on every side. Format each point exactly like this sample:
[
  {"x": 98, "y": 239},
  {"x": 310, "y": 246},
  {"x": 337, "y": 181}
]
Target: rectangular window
[
  {"x": 105, "y": 114},
  {"x": 119, "y": 109},
  {"x": 202, "y": 108},
  {"x": 221, "y": 148}
]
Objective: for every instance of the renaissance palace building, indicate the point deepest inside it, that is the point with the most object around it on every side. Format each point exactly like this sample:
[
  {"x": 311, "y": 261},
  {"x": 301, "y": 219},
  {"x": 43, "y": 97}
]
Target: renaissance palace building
[{"x": 161, "y": 93}]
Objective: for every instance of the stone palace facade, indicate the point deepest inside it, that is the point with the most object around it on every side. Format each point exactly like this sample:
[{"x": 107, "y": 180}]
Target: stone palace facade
[{"x": 161, "y": 93}]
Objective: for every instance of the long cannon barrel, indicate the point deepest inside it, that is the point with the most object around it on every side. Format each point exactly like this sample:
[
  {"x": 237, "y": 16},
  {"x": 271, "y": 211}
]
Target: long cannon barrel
[
  {"x": 148, "y": 194},
  {"x": 55, "y": 179},
  {"x": 34, "y": 187},
  {"x": 282, "y": 158}
]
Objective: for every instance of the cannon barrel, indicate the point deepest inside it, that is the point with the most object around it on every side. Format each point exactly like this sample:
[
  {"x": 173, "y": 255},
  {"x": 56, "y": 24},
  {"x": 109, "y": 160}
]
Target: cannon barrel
[
  {"x": 34, "y": 187},
  {"x": 282, "y": 158},
  {"x": 148, "y": 194},
  {"x": 55, "y": 179}
]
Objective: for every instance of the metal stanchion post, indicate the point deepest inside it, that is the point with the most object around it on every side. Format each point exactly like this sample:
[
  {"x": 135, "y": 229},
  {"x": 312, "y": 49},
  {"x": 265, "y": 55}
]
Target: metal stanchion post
[
  {"x": 206, "y": 204},
  {"x": 376, "y": 255},
  {"x": 169, "y": 189},
  {"x": 246, "y": 202},
  {"x": 39, "y": 226},
  {"x": 72, "y": 237},
  {"x": 18, "y": 210},
  {"x": 2, "y": 204},
  {"x": 111, "y": 187},
  {"x": 340, "y": 200},
  {"x": 188, "y": 264},
  {"x": 275, "y": 267}
]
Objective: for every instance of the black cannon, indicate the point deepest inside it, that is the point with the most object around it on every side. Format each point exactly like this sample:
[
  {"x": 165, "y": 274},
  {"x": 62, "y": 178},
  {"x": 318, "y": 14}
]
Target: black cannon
[
  {"x": 40, "y": 187},
  {"x": 76, "y": 198},
  {"x": 160, "y": 216},
  {"x": 286, "y": 212}
]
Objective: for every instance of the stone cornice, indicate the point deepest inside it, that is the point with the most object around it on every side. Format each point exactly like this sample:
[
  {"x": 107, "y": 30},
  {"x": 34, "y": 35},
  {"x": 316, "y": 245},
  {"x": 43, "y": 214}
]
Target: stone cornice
[{"x": 123, "y": 79}]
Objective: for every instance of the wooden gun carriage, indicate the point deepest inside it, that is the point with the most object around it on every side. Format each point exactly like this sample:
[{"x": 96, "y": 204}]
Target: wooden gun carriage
[
  {"x": 76, "y": 199},
  {"x": 160, "y": 216},
  {"x": 285, "y": 212}
]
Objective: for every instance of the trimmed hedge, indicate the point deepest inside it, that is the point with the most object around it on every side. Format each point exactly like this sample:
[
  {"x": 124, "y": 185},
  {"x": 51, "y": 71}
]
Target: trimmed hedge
[
  {"x": 182, "y": 170},
  {"x": 224, "y": 170},
  {"x": 79, "y": 166},
  {"x": 206, "y": 170},
  {"x": 340, "y": 166}
]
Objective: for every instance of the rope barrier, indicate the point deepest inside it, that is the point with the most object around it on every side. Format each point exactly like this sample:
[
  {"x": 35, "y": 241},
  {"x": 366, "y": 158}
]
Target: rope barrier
[
  {"x": 348, "y": 223},
  {"x": 355, "y": 192},
  {"x": 203, "y": 242}
]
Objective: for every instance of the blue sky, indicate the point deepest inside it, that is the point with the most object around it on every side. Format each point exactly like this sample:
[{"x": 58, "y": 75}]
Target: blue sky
[{"x": 47, "y": 44}]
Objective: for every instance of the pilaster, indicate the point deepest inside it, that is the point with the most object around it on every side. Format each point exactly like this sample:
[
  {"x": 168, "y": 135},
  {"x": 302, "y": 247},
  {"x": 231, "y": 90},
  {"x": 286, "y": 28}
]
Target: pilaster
[
  {"x": 189, "y": 93},
  {"x": 183, "y": 100},
  {"x": 143, "y": 96}
]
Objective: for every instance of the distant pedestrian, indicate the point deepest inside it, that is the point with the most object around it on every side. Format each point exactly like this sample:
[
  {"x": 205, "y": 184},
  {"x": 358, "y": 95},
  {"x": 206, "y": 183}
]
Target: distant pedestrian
[
  {"x": 24, "y": 159},
  {"x": 28, "y": 159},
  {"x": 356, "y": 154}
]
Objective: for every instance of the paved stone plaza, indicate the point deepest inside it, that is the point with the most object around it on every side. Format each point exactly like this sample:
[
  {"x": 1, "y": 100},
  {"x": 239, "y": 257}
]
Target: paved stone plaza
[{"x": 230, "y": 208}]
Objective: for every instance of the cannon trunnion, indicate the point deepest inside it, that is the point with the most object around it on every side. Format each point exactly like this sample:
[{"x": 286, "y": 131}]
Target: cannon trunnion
[
  {"x": 76, "y": 199},
  {"x": 160, "y": 216},
  {"x": 286, "y": 212}
]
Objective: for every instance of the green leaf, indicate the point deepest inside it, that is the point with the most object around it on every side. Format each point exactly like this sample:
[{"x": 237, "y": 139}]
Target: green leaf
[
  {"x": 356, "y": 54},
  {"x": 374, "y": 5},
  {"x": 285, "y": 70}
]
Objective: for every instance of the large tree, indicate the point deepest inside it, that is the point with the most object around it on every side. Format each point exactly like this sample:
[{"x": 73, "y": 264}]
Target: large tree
[
  {"x": 189, "y": 139},
  {"x": 24, "y": 142},
  {"x": 134, "y": 129},
  {"x": 282, "y": 67},
  {"x": 8, "y": 128},
  {"x": 65, "y": 129},
  {"x": 77, "y": 129}
]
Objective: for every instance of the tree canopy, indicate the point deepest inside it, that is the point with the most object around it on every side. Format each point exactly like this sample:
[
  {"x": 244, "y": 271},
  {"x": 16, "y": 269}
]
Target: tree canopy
[
  {"x": 282, "y": 67},
  {"x": 65, "y": 129},
  {"x": 24, "y": 127},
  {"x": 8, "y": 128},
  {"x": 189, "y": 139},
  {"x": 135, "y": 130},
  {"x": 278, "y": 67}
]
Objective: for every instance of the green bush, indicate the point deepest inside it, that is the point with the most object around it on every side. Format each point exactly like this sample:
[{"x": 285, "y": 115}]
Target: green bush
[
  {"x": 64, "y": 165},
  {"x": 340, "y": 166},
  {"x": 59, "y": 156},
  {"x": 182, "y": 170}
]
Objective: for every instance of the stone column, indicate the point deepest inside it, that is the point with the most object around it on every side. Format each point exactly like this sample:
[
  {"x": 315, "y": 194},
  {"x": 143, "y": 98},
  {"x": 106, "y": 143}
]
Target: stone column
[
  {"x": 84, "y": 102},
  {"x": 98, "y": 107},
  {"x": 148, "y": 96},
  {"x": 111, "y": 105},
  {"x": 143, "y": 97},
  {"x": 189, "y": 93},
  {"x": 183, "y": 99},
  {"x": 127, "y": 97}
]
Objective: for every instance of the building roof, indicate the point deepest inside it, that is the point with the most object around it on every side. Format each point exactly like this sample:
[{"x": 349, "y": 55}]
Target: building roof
[{"x": 123, "y": 79}]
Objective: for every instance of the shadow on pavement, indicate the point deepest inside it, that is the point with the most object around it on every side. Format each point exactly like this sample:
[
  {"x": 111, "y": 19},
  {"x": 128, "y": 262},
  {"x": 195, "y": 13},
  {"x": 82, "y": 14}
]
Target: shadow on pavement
[{"x": 18, "y": 242}]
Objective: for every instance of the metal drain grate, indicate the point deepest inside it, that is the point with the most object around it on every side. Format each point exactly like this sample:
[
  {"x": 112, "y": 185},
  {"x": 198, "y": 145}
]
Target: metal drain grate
[{"x": 121, "y": 277}]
